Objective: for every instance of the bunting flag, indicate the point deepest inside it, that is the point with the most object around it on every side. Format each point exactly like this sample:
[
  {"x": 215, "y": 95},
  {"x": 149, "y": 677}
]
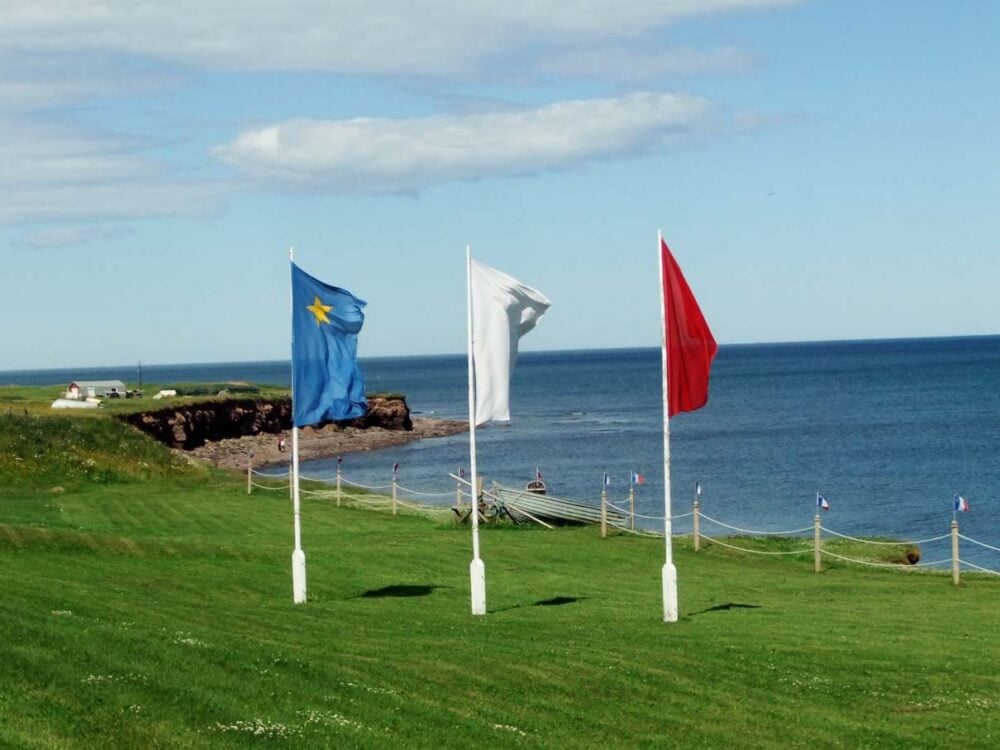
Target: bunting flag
[
  {"x": 326, "y": 381},
  {"x": 689, "y": 343},
  {"x": 503, "y": 310}
]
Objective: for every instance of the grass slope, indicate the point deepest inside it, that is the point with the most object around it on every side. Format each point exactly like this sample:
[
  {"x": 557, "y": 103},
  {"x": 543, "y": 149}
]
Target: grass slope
[{"x": 156, "y": 612}]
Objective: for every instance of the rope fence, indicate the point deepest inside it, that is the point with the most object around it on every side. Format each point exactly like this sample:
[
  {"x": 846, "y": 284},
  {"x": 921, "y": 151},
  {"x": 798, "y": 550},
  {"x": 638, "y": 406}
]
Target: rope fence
[{"x": 491, "y": 505}]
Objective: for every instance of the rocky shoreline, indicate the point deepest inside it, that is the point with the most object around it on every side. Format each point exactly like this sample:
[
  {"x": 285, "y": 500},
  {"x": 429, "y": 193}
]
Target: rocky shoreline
[{"x": 324, "y": 442}]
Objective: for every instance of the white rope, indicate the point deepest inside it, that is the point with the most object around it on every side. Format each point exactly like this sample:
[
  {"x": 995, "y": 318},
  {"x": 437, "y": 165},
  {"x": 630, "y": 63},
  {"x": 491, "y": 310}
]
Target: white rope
[
  {"x": 265, "y": 487},
  {"x": 626, "y": 511},
  {"x": 930, "y": 564},
  {"x": 637, "y": 532},
  {"x": 425, "y": 494},
  {"x": 756, "y": 532},
  {"x": 365, "y": 486},
  {"x": 981, "y": 544},
  {"x": 982, "y": 570},
  {"x": 756, "y": 551},
  {"x": 896, "y": 544}
]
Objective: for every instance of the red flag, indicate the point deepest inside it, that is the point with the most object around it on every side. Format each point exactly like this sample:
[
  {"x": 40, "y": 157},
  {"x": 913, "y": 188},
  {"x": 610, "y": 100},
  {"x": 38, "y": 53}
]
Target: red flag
[{"x": 689, "y": 343}]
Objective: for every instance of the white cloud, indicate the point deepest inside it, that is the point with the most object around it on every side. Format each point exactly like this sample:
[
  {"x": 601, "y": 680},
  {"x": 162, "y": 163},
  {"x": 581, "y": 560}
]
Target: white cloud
[
  {"x": 392, "y": 37},
  {"x": 386, "y": 156},
  {"x": 74, "y": 52},
  {"x": 64, "y": 236},
  {"x": 54, "y": 173},
  {"x": 636, "y": 63}
]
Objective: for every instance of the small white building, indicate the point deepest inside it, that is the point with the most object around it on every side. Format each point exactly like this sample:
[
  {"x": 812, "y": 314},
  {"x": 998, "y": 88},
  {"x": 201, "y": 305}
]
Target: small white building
[{"x": 83, "y": 389}]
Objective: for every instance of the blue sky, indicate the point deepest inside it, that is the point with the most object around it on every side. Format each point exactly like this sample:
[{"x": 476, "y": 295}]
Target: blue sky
[{"x": 821, "y": 170}]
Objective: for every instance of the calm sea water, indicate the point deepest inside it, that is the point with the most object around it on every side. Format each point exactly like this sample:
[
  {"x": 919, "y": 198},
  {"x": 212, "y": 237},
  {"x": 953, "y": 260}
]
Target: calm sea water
[{"x": 888, "y": 431}]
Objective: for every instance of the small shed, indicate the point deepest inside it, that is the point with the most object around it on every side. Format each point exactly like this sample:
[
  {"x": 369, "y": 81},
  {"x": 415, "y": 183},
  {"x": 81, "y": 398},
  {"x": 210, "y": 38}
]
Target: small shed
[{"x": 82, "y": 389}]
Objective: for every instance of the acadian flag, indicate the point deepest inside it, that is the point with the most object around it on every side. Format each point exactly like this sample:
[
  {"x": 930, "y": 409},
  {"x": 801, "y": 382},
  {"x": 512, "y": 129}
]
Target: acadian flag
[
  {"x": 503, "y": 310},
  {"x": 637, "y": 478},
  {"x": 689, "y": 342},
  {"x": 607, "y": 480},
  {"x": 822, "y": 503},
  {"x": 961, "y": 504},
  {"x": 326, "y": 381}
]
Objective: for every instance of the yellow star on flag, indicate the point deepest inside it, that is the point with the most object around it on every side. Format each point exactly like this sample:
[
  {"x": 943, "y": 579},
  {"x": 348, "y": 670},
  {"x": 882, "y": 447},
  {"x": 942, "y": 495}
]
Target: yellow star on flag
[{"x": 319, "y": 310}]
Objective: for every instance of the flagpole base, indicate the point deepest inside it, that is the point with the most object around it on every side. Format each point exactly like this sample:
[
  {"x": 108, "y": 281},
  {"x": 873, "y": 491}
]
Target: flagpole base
[
  {"x": 669, "y": 593},
  {"x": 298, "y": 576},
  {"x": 477, "y": 575}
]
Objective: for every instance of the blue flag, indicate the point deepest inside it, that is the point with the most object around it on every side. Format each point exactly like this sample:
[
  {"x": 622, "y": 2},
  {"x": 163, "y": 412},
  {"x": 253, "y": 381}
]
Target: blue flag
[{"x": 326, "y": 381}]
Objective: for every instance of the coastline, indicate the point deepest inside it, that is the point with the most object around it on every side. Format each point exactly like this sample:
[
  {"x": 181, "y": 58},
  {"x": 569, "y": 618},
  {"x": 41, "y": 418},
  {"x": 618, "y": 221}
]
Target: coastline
[{"x": 328, "y": 441}]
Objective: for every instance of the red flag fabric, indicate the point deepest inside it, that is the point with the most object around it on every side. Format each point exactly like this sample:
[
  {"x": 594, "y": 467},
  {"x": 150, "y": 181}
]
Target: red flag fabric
[{"x": 689, "y": 343}]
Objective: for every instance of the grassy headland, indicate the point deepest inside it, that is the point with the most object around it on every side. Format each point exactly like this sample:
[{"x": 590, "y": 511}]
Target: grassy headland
[{"x": 147, "y": 602}]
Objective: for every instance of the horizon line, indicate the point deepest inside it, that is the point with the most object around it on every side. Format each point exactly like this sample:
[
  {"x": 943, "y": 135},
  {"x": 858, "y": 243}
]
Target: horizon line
[{"x": 568, "y": 350}]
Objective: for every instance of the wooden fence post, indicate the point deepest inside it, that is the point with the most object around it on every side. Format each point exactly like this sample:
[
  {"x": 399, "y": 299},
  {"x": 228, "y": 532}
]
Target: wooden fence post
[
  {"x": 631, "y": 507},
  {"x": 604, "y": 513},
  {"x": 394, "y": 493},
  {"x": 249, "y": 472},
  {"x": 338, "y": 487},
  {"x": 816, "y": 544},
  {"x": 955, "y": 565},
  {"x": 697, "y": 527}
]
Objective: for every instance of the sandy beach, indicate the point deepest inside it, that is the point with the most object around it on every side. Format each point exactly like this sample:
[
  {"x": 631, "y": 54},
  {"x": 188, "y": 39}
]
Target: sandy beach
[{"x": 324, "y": 442}]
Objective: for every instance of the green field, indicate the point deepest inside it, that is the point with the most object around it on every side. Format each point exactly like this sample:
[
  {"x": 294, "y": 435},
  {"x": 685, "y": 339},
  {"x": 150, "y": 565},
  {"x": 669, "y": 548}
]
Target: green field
[{"x": 147, "y": 603}]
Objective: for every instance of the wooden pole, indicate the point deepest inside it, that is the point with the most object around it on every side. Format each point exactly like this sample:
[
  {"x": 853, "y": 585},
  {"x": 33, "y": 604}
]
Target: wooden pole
[
  {"x": 339, "y": 495},
  {"x": 631, "y": 507},
  {"x": 458, "y": 494},
  {"x": 249, "y": 471},
  {"x": 604, "y": 513},
  {"x": 394, "y": 493},
  {"x": 955, "y": 578},
  {"x": 291, "y": 484},
  {"x": 697, "y": 527},
  {"x": 816, "y": 546}
]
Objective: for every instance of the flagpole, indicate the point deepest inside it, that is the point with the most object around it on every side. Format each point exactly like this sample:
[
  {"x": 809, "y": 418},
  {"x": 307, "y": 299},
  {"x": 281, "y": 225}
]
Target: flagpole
[
  {"x": 669, "y": 571},
  {"x": 298, "y": 556},
  {"x": 477, "y": 571}
]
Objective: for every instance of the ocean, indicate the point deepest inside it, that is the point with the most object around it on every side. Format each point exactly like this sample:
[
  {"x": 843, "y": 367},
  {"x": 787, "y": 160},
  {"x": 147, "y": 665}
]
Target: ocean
[{"x": 888, "y": 431}]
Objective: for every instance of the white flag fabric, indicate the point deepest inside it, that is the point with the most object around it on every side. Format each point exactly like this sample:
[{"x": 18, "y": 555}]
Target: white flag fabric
[{"x": 503, "y": 310}]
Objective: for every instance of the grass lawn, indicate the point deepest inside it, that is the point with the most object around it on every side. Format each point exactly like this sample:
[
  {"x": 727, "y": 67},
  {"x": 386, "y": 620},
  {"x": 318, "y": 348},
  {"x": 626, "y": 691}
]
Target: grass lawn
[{"x": 152, "y": 608}]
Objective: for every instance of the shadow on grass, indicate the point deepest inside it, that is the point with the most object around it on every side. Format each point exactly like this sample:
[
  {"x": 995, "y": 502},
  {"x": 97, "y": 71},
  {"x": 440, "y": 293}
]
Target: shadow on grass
[
  {"x": 399, "y": 590},
  {"x": 725, "y": 608},
  {"x": 555, "y": 601}
]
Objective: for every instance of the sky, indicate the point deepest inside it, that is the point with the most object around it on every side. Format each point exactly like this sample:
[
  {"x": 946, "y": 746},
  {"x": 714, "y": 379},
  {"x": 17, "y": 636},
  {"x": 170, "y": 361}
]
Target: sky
[{"x": 821, "y": 169}]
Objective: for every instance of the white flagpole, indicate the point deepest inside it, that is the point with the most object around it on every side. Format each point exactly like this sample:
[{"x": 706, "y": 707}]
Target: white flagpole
[
  {"x": 477, "y": 571},
  {"x": 669, "y": 571},
  {"x": 298, "y": 556}
]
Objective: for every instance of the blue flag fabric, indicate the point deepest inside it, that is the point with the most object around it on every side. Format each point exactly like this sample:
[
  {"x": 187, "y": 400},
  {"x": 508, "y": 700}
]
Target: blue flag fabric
[{"x": 326, "y": 381}]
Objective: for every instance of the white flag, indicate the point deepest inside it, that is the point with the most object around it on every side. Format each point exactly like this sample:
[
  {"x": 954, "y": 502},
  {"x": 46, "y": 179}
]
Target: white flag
[{"x": 503, "y": 310}]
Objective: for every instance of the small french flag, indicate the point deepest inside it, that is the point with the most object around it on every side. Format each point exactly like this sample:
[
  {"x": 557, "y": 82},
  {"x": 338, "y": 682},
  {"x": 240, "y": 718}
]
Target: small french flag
[
  {"x": 637, "y": 478},
  {"x": 822, "y": 503},
  {"x": 961, "y": 504}
]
